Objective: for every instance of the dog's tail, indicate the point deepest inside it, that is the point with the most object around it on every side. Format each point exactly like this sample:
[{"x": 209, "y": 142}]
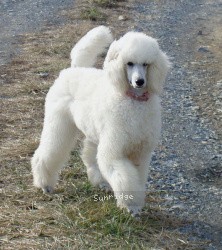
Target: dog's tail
[{"x": 89, "y": 47}]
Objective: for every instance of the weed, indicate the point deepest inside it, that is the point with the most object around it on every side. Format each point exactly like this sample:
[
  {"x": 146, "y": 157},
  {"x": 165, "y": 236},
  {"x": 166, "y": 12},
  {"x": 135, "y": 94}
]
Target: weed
[{"x": 92, "y": 13}]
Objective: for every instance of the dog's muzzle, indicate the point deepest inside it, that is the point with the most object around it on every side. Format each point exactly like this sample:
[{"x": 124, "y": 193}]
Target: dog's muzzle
[{"x": 140, "y": 83}]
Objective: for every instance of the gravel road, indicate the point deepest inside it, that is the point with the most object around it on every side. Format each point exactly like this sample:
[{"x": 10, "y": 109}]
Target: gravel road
[
  {"x": 186, "y": 169},
  {"x": 18, "y": 17}
]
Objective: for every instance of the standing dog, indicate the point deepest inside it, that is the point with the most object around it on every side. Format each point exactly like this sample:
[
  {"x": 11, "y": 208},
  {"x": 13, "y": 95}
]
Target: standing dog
[{"x": 116, "y": 109}]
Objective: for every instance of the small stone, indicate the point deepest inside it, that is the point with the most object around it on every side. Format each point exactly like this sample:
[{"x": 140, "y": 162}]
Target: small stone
[
  {"x": 121, "y": 18},
  {"x": 43, "y": 74},
  {"x": 184, "y": 198},
  {"x": 178, "y": 206},
  {"x": 204, "y": 142},
  {"x": 195, "y": 108},
  {"x": 219, "y": 83},
  {"x": 203, "y": 50}
]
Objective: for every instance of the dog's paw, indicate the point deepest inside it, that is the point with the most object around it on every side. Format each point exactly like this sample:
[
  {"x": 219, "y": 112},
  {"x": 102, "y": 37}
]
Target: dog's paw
[
  {"x": 105, "y": 187},
  {"x": 135, "y": 212},
  {"x": 47, "y": 190}
]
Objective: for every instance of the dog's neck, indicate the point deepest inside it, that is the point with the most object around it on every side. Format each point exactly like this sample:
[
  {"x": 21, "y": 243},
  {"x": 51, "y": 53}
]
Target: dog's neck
[{"x": 141, "y": 95}]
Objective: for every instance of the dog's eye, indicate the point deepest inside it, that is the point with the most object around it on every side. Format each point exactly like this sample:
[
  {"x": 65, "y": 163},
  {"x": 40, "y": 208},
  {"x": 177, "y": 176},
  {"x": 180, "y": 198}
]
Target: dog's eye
[
  {"x": 145, "y": 65},
  {"x": 130, "y": 64}
]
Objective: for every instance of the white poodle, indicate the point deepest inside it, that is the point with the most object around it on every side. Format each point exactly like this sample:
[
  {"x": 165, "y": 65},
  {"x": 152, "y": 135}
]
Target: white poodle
[{"x": 116, "y": 109}]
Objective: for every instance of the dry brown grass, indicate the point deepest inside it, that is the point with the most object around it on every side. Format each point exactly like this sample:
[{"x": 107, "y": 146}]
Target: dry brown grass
[{"x": 69, "y": 219}]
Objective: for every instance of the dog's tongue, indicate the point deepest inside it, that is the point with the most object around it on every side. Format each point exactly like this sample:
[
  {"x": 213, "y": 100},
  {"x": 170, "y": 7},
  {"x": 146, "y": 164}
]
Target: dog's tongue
[{"x": 141, "y": 98}]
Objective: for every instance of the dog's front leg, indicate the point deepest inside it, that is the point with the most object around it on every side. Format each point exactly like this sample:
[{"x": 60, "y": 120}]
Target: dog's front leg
[
  {"x": 122, "y": 175},
  {"x": 144, "y": 163},
  {"x": 89, "y": 153}
]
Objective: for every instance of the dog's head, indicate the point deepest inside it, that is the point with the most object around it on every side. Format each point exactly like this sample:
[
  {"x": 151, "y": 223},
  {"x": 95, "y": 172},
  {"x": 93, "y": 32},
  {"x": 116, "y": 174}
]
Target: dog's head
[{"x": 135, "y": 61}]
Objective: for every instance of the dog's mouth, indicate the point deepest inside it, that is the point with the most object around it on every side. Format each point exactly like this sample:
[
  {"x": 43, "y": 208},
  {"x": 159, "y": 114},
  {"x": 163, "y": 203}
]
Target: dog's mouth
[{"x": 142, "y": 97}]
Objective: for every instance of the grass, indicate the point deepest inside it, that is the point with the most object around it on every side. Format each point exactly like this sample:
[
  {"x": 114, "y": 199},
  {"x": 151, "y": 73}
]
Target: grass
[
  {"x": 92, "y": 13},
  {"x": 71, "y": 218}
]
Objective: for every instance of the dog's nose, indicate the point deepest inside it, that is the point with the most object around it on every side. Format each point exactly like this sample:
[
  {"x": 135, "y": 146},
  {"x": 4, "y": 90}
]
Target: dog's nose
[{"x": 140, "y": 82}]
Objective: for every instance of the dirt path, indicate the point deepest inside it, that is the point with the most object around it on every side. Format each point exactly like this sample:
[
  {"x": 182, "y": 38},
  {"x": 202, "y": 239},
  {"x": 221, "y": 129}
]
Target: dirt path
[
  {"x": 22, "y": 16},
  {"x": 187, "y": 169}
]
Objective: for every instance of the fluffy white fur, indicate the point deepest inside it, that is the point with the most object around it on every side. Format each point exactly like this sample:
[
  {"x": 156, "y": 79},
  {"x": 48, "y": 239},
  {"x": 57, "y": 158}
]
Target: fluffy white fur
[
  {"x": 119, "y": 132},
  {"x": 85, "y": 52}
]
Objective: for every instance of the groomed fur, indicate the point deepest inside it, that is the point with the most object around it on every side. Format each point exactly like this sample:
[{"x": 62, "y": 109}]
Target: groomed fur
[
  {"x": 120, "y": 132},
  {"x": 94, "y": 43}
]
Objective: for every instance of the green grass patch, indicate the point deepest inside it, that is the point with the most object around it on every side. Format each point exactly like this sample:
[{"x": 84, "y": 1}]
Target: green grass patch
[
  {"x": 97, "y": 221},
  {"x": 92, "y": 13}
]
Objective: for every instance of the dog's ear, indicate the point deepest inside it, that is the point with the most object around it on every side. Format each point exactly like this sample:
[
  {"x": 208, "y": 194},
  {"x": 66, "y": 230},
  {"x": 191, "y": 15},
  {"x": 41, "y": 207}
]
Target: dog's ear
[
  {"x": 112, "y": 53},
  {"x": 158, "y": 72},
  {"x": 114, "y": 67}
]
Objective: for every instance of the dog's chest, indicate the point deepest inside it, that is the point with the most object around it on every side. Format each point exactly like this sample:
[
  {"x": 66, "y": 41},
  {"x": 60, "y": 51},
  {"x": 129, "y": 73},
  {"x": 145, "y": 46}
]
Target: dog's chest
[
  {"x": 138, "y": 120},
  {"x": 131, "y": 119}
]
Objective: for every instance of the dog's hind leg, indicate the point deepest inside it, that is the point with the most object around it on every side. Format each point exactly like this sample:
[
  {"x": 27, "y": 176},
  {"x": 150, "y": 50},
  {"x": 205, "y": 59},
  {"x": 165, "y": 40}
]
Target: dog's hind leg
[
  {"x": 58, "y": 137},
  {"x": 89, "y": 153}
]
